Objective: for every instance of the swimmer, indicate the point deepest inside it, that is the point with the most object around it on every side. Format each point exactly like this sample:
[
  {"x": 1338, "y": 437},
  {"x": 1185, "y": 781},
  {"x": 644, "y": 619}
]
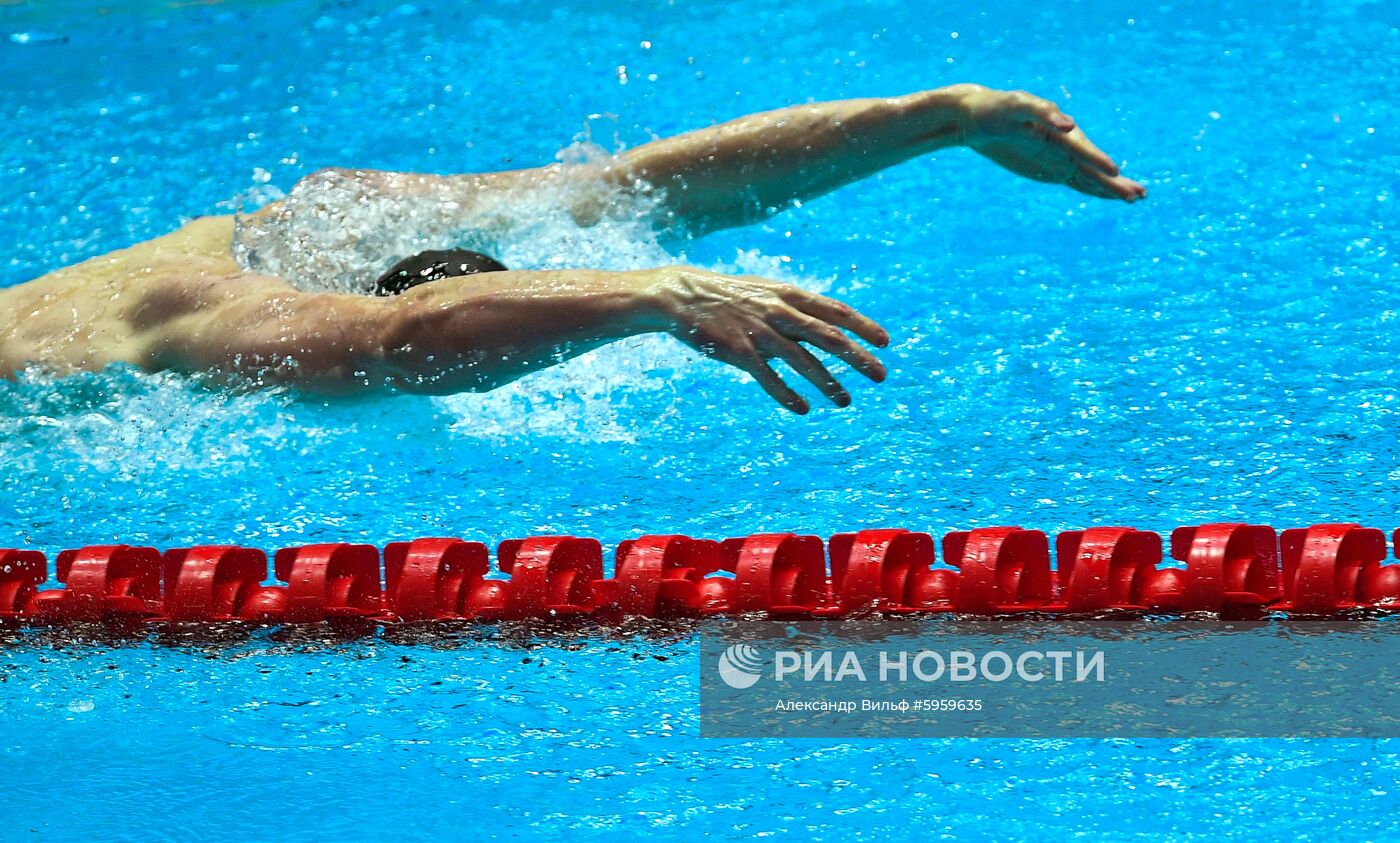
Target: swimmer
[{"x": 287, "y": 294}]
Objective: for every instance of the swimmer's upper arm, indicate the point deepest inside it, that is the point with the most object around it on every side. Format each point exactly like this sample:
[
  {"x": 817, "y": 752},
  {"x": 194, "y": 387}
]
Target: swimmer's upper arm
[{"x": 258, "y": 328}]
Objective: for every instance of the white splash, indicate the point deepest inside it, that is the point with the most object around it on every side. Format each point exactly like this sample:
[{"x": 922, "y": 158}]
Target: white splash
[{"x": 112, "y": 418}]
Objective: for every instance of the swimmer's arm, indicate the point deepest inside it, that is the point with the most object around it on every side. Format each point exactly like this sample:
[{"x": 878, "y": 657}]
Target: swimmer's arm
[
  {"x": 741, "y": 171},
  {"x": 475, "y": 336},
  {"x": 453, "y": 337},
  {"x": 744, "y": 170},
  {"x": 731, "y": 174}
]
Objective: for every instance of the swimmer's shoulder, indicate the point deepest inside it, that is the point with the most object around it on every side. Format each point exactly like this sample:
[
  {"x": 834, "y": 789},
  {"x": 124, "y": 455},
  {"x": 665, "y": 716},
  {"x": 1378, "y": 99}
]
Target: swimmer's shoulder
[
  {"x": 205, "y": 241},
  {"x": 204, "y": 244},
  {"x": 158, "y": 276}
]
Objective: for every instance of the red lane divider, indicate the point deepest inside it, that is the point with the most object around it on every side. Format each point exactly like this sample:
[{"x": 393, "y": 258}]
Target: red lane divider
[{"x": 1228, "y": 569}]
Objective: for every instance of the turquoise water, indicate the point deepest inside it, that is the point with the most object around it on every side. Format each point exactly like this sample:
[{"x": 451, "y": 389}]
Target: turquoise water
[{"x": 1224, "y": 351}]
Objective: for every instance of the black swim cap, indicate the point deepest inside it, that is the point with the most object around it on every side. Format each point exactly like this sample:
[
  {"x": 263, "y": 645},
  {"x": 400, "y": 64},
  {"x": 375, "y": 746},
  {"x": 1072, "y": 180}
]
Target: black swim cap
[{"x": 432, "y": 266}]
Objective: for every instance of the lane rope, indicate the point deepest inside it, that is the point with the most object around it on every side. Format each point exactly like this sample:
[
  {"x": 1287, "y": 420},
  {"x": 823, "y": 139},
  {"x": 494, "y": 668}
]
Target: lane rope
[{"x": 1230, "y": 570}]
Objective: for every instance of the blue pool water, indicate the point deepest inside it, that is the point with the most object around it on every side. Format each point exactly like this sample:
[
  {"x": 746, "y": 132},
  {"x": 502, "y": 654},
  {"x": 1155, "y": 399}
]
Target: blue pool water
[{"x": 1225, "y": 351}]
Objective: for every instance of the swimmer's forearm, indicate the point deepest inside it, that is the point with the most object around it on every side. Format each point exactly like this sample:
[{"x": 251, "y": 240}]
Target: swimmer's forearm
[
  {"x": 496, "y": 327},
  {"x": 452, "y": 337},
  {"x": 746, "y": 169}
]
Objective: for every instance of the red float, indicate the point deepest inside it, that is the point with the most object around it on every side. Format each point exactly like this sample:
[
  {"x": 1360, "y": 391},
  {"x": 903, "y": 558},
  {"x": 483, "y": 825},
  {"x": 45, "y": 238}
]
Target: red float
[
  {"x": 782, "y": 573},
  {"x": 1107, "y": 568},
  {"x": 550, "y": 575},
  {"x": 104, "y": 582},
  {"x": 21, "y": 572},
  {"x": 439, "y": 579},
  {"x": 1327, "y": 566},
  {"x": 1002, "y": 570},
  {"x": 886, "y": 571},
  {"x": 324, "y": 581},
  {"x": 211, "y": 583},
  {"x": 669, "y": 576},
  {"x": 1228, "y": 566}
]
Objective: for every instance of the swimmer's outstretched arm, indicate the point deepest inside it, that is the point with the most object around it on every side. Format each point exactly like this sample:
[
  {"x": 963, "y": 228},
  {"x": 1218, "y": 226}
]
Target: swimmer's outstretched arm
[
  {"x": 747, "y": 169},
  {"x": 476, "y": 335},
  {"x": 741, "y": 171}
]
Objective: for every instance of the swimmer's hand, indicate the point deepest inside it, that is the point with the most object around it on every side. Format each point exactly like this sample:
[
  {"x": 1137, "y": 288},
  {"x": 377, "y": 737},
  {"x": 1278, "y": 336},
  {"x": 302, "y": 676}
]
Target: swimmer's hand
[
  {"x": 1031, "y": 137},
  {"x": 746, "y": 322}
]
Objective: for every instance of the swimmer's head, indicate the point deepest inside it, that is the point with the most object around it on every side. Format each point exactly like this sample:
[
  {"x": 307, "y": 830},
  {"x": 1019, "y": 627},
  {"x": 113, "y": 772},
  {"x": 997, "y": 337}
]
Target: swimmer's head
[{"x": 433, "y": 266}]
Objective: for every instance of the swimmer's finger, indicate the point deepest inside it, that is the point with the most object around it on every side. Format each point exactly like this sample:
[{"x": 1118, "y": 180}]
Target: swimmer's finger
[
  {"x": 1050, "y": 113},
  {"x": 808, "y": 366},
  {"x": 837, "y": 313},
  {"x": 1084, "y": 150},
  {"x": 1094, "y": 181},
  {"x": 831, "y": 340},
  {"x": 1084, "y": 180},
  {"x": 772, "y": 384}
]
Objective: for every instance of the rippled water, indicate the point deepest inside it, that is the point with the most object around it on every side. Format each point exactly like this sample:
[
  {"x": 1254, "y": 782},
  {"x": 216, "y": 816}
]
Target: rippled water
[{"x": 1224, "y": 351}]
